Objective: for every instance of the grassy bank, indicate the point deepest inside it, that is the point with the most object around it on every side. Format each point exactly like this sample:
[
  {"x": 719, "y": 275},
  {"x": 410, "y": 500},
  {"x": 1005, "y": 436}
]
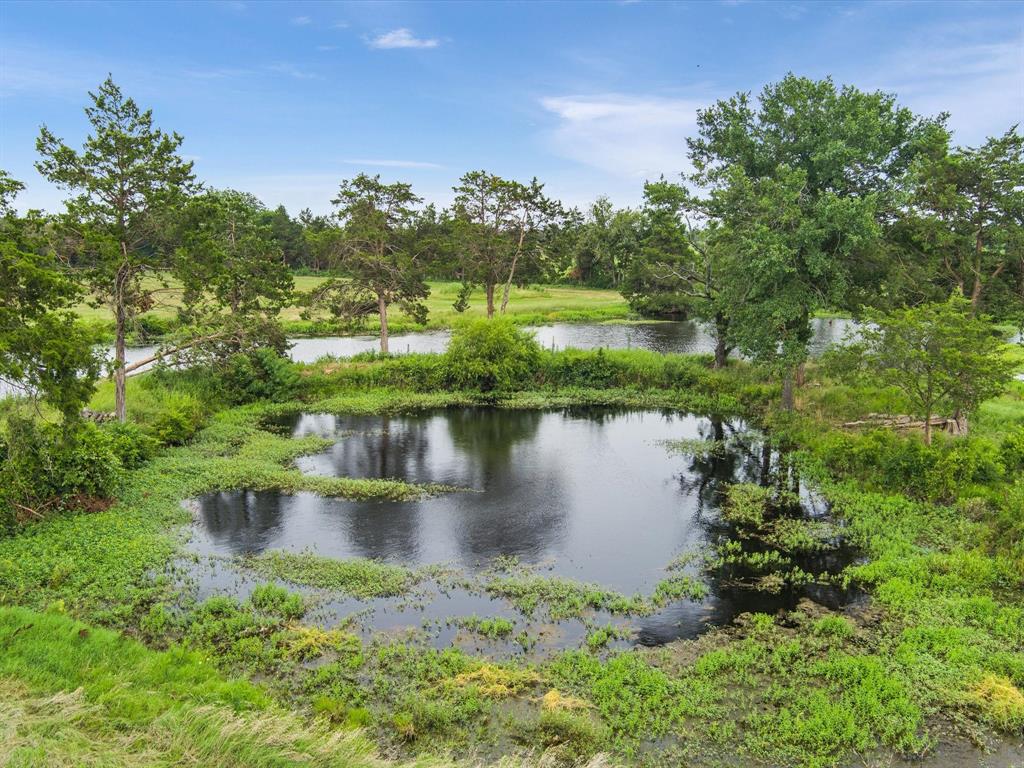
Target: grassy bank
[
  {"x": 528, "y": 305},
  {"x": 933, "y": 654}
]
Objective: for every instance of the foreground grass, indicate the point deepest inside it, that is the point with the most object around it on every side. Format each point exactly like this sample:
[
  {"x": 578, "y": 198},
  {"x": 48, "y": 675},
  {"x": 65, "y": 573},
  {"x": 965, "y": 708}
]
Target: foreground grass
[{"x": 74, "y": 695}]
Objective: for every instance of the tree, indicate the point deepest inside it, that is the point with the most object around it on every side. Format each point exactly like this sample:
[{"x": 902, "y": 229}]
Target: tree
[
  {"x": 799, "y": 186},
  {"x": 679, "y": 267},
  {"x": 498, "y": 227},
  {"x": 967, "y": 214},
  {"x": 128, "y": 180},
  {"x": 43, "y": 346},
  {"x": 606, "y": 241},
  {"x": 288, "y": 235},
  {"x": 376, "y": 253},
  {"x": 234, "y": 280},
  {"x": 941, "y": 356}
]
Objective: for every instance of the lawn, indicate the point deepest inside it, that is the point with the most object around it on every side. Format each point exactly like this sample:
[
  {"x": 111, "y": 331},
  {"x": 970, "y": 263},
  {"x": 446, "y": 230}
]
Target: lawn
[{"x": 533, "y": 304}]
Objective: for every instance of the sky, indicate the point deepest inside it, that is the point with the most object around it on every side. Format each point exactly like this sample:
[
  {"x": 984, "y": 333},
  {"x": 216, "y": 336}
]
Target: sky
[{"x": 285, "y": 100}]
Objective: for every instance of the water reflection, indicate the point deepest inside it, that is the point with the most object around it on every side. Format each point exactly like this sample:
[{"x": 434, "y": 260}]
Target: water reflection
[
  {"x": 685, "y": 337},
  {"x": 590, "y": 494}
]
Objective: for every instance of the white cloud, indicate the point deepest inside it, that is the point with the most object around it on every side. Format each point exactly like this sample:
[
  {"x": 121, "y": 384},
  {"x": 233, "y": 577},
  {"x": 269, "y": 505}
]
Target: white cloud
[
  {"x": 975, "y": 74},
  {"x": 284, "y": 68},
  {"x": 392, "y": 163},
  {"x": 301, "y": 21},
  {"x": 632, "y": 137},
  {"x": 402, "y": 38}
]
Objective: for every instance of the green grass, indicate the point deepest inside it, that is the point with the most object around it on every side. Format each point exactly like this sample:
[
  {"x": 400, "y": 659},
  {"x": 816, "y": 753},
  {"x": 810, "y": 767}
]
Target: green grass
[
  {"x": 535, "y": 304},
  {"x": 356, "y": 577},
  {"x": 75, "y": 695}
]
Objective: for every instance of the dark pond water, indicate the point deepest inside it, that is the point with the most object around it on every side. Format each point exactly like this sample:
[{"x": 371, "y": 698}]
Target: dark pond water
[{"x": 592, "y": 495}]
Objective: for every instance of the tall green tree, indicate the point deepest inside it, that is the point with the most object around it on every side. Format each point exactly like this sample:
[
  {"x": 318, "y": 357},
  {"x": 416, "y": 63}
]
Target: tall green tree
[
  {"x": 679, "y": 267},
  {"x": 128, "y": 180},
  {"x": 234, "y": 280},
  {"x": 967, "y": 217},
  {"x": 376, "y": 253},
  {"x": 943, "y": 357},
  {"x": 802, "y": 181},
  {"x": 606, "y": 241},
  {"x": 43, "y": 347},
  {"x": 498, "y": 228}
]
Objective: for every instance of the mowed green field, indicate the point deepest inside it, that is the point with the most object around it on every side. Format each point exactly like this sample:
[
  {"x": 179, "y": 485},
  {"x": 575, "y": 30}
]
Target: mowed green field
[{"x": 530, "y": 304}]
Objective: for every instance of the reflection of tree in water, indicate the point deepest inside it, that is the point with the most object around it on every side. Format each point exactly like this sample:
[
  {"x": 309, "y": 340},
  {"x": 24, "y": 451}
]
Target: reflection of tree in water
[
  {"x": 735, "y": 458},
  {"x": 750, "y": 458},
  {"x": 386, "y": 447},
  {"x": 241, "y": 521},
  {"x": 521, "y": 509},
  {"x": 388, "y": 530}
]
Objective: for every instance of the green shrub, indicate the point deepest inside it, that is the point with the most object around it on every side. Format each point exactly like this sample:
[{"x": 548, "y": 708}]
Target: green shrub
[
  {"x": 1012, "y": 450},
  {"x": 52, "y": 467},
  {"x": 261, "y": 374},
  {"x": 491, "y": 355},
  {"x": 132, "y": 446},
  {"x": 179, "y": 418}
]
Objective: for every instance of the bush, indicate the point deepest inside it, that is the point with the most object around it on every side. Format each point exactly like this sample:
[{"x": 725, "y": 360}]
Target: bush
[
  {"x": 52, "y": 467},
  {"x": 130, "y": 444},
  {"x": 1012, "y": 450},
  {"x": 888, "y": 461},
  {"x": 261, "y": 374},
  {"x": 179, "y": 418},
  {"x": 491, "y": 355}
]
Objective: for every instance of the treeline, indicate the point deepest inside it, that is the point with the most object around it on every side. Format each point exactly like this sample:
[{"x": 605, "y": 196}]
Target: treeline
[{"x": 811, "y": 197}]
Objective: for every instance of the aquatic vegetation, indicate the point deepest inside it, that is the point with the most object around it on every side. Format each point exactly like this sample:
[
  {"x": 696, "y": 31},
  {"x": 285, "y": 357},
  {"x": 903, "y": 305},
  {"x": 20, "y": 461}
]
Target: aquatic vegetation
[
  {"x": 493, "y": 628},
  {"x": 356, "y": 577}
]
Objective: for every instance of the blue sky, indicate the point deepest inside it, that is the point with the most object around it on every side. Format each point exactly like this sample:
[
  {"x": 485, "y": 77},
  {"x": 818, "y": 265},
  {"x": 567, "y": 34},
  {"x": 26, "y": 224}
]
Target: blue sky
[{"x": 286, "y": 99}]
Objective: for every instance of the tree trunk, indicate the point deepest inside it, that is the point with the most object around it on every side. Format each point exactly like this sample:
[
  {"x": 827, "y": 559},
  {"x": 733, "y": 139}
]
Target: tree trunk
[
  {"x": 928, "y": 428},
  {"x": 801, "y": 374},
  {"x": 382, "y": 309},
  {"x": 787, "y": 391},
  {"x": 958, "y": 426},
  {"x": 120, "y": 402},
  {"x": 489, "y": 289},
  {"x": 721, "y": 350},
  {"x": 508, "y": 283}
]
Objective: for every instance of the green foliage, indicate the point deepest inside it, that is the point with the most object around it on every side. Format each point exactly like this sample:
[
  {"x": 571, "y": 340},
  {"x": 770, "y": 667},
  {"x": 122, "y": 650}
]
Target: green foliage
[
  {"x": 356, "y": 577},
  {"x": 884, "y": 460},
  {"x": 270, "y": 598},
  {"x": 492, "y": 628},
  {"x": 491, "y": 356},
  {"x": 261, "y": 374},
  {"x": 965, "y": 220},
  {"x": 131, "y": 444},
  {"x": 47, "y": 467},
  {"x": 128, "y": 181},
  {"x": 1011, "y": 451},
  {"x": 180, "y": 417},
  {"x": 44, "y": 348},
  {"x": 941, "y": 356}
]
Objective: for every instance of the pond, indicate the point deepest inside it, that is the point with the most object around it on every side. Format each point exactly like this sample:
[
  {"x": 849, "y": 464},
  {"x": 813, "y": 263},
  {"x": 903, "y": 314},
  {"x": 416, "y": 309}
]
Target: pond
[
  {"x": 592, "y": 495},
  {"x": 684, "y": 337}
]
